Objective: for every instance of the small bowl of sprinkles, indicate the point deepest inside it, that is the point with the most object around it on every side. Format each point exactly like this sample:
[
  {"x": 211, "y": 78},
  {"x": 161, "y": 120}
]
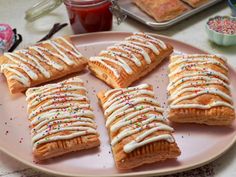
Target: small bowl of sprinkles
[{"x": 222, "y": 30}]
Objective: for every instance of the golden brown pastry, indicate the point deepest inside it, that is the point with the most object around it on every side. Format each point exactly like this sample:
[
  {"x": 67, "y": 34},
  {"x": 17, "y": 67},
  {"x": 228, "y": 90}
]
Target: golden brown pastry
[
  {"x": 162, "y": 10},
  {"x": 138, "y": 132},
  {"x": 41, "y": 63},
  {"x": 125, "y": 62},
  {"x": 195, "y": 3},
  {"x": 61, "y": 119},
  {"x": 199, "y": 90}
]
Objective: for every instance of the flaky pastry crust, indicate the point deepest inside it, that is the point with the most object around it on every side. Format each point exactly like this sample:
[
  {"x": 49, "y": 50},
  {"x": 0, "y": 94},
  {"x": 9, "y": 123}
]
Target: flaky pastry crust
[
  {"x": 124, "y": 63},
  {"x": 46, "y": 61},
  {"x": 199, "y": 90},
  {"x": 138, "y": 132},
  {"x": 61, "y": 119}
]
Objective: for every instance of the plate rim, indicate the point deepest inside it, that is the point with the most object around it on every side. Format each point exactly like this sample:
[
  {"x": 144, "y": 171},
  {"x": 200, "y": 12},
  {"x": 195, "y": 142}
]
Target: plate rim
[{"x": 141, "y": 173}]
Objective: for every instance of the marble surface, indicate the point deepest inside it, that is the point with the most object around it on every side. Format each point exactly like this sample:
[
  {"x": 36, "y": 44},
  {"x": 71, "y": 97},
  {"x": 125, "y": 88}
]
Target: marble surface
[{"x": 190, "y": 31}]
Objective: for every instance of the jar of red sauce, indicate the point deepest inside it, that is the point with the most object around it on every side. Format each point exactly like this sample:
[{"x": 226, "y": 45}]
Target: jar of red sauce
[
  {"x": 84, "y": 15},
  {"x": 89, "y": 15}
]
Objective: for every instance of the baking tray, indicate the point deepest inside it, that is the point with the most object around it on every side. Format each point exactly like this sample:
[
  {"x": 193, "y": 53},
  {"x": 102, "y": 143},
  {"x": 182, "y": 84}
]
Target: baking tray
[{"x": 134, "y": 12}]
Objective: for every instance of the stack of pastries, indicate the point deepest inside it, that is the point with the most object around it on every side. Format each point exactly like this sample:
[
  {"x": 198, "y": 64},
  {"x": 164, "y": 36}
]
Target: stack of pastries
[{"x": 62, "y": 120}]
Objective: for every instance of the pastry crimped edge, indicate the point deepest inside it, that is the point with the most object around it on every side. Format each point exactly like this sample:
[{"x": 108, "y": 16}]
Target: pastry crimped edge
[
  {"x": 214, "y": 116},
  {"x": 149, "y": 153},
  {"x": 58, "y": 148}
]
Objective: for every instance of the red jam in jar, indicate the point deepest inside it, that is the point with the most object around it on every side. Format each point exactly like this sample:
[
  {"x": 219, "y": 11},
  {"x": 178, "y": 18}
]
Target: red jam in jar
[{"x": 89, "y": 15}]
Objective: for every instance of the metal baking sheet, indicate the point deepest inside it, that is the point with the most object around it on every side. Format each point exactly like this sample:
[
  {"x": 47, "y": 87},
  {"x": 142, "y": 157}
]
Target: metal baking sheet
[{"x": 133, "y": 11}]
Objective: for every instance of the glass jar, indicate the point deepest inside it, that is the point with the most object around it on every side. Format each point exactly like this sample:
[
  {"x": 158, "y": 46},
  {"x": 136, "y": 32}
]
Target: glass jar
[
  {"x": 84, "y": 15},
  {"x": 89, "y": 15}
]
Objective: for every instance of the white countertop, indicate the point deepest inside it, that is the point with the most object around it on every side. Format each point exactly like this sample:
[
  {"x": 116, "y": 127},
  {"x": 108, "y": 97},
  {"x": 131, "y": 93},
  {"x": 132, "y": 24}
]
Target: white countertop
[{"x": 190, "y": 31}]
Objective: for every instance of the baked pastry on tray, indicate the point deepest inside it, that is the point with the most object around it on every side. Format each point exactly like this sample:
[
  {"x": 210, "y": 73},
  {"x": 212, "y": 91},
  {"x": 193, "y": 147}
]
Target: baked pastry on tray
[
  {"x": 199, "y": 90},
  {"x": 162, "y": 10},
  {"x": 61, "y": 119},
  {"x": 41, "y": 63},
  {"x": 196, "y": 3},
  {"x": 125, "y": 62},
  {"x": 138, "y": 132}
]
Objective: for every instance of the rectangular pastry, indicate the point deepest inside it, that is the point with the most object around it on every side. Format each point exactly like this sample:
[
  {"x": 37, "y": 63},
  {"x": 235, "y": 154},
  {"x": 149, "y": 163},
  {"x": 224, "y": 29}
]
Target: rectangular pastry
[
  {"x": 162, "y": 10},
  {"x": 61, "y": 119},
  {"x": 41, "y": 63},
  {"x": 199, "y": 90},
  {"x": 138, "y": 132},
  {"x": 195, "y": 3},
  {"x": 125, "y": 62}
]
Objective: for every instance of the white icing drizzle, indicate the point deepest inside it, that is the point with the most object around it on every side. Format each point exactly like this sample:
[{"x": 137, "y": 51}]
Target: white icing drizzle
[
  {"x": 37, "y": 91},
  {"x": 208, "y": 70},
  {"x": 36, "y": 64},
  {"x": 119, "y": 59},
  {"x": 115, "y": 72},
  {"x": 59, "y": 108},
  {"x": 138, "y": 114},
  {"x": 176, "y": 98},
  {"x": 18, "y": 75},
  {"x": 76, "y": 133},
  {"x": 55, "y": 113},
  {"x": 198, "y": 61},
  {"x": 67, "y": 50},
  {"x": 200, "y": 55},
  {"x": 130, "y": 131},
  {"x": 187, "y": 77},
  {"x": 123, "y": 97},
  {"x": 196, "y": 84},
  {"x": 63, "y": 57},
  {"x": 141, "y": 107},
  {"x": 136, "y": 48},
  {"x": 47, "y": 96},
  {"x": 136, "y": 44},
  {"x": 200, "y": 106},
  {"x": 48, "y": 105},
  {"x": 124, "y": 105},
  {"x": 123, "y": 122},
  {"x": 196, "y": 81},
  {"x": 75, "y": 52},
  {"x": 152, "y": 39},
  {"x": 133, "y": 144},
  {"x": 119, "y": 62},
  {"x": 21, "y": 65},
  {"x": 144, "y": 43},
  {"x": 130, "y": 55},
  {"x": 107, "y": 93},
  {"x": 30, "y": 61},
  {"x": 82, "y": 129},
  {"x": 73, "y": 121},
  {"x": 46, "y": 59}
]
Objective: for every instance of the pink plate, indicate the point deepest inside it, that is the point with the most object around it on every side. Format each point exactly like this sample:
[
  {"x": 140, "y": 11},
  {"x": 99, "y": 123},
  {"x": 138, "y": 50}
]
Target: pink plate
[{"x": 199, "y": 144}]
